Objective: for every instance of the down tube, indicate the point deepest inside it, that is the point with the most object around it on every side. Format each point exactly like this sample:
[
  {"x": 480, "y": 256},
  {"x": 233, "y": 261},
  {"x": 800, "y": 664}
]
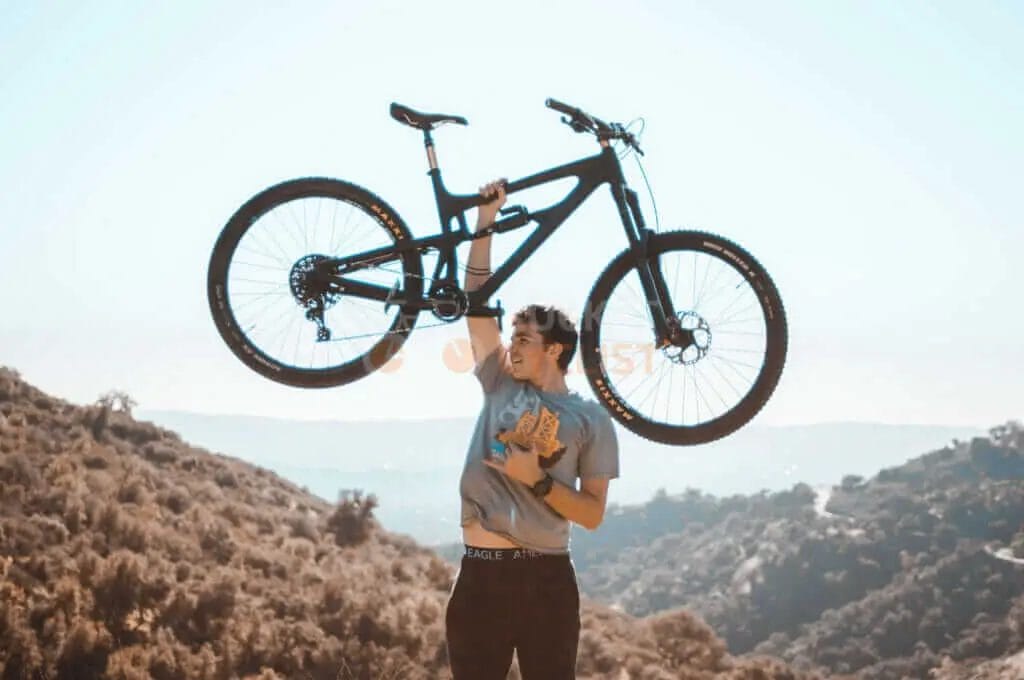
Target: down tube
[{"x": 549, "y": 219}]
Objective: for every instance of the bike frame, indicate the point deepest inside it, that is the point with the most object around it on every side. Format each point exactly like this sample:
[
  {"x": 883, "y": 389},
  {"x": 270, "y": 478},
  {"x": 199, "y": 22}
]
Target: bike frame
[{"x": 591, "y": 172}]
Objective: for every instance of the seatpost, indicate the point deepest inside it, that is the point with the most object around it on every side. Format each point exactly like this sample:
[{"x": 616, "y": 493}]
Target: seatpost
[{"x": 428, "y": 142}]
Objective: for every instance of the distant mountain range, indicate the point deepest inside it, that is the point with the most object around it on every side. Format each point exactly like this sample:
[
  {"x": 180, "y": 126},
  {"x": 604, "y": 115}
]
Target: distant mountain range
[{"x": 413, "y": 466}]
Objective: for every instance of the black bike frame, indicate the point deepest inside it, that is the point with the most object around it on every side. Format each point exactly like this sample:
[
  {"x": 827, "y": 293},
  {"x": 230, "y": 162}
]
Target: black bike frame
[{"x": 591, "y": 172}]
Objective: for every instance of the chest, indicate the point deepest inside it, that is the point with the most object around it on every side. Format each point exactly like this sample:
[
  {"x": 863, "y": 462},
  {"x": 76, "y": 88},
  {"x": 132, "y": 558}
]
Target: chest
[{"x": 523, "y": 417}]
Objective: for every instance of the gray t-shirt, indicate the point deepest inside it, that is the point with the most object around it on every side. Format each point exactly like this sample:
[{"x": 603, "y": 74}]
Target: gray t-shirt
[{"x": 576, "y": 433}]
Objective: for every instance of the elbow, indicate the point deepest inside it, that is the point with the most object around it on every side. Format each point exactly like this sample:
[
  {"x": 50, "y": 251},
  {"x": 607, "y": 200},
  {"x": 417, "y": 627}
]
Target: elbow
[{"x": 593, "y": 523}]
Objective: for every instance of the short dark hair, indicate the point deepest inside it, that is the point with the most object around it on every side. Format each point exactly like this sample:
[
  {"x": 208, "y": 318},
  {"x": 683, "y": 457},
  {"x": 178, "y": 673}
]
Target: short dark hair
[{"x": 554, "y": 327}]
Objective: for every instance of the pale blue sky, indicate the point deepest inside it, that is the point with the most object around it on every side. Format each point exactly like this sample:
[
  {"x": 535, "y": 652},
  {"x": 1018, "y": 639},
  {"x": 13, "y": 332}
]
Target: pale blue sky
[{"x": 866, "y": 152}]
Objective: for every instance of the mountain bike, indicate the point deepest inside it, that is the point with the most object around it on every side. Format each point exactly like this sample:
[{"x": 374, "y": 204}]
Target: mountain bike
[{"x": 317, "y": 282}]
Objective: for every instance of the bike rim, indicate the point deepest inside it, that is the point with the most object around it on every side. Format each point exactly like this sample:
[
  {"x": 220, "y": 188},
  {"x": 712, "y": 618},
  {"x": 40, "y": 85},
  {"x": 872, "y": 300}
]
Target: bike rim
[
  {"x": 265, "y": 283},
  {"x": 710, "y": 377}
]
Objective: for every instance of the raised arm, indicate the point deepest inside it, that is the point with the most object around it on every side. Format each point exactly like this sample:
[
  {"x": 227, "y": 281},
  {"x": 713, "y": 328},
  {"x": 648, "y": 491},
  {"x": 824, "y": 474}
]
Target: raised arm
[{"x": 484, "y": 336}]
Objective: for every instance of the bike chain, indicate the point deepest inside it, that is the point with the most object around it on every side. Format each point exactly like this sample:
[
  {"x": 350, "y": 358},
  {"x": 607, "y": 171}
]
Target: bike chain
[{"x": 387, "y": 333}]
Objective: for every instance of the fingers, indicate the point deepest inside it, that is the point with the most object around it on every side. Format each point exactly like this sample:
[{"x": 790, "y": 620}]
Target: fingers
[{"x": 494, "y": 190}]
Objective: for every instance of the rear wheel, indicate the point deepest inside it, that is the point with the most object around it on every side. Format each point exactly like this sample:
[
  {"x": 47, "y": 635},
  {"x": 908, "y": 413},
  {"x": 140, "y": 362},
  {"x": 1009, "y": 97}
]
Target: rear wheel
[
  {"x": 725, "y": 363},
  {"x": 274, "y": 313}
]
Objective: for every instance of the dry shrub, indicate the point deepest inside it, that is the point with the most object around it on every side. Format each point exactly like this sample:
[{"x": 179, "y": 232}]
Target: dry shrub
[
  {"x": 84, "y": 653},
  {"x": 24, "y": 658},
  {"x": 133, "y": 490},
  {"x": 686, "y": 642},
  {"x": 304, "y": 526},
  {"x": 226, "y": 479},
  {"x": 118, "y": 589},
  {"x": 128, "y": 663},
  {"x": 215, "y": 540},
  {"x": 214, "y": 605},
  {"x": 176, "y": 499},
  {"x": 159, "y": 453},
  {"x": 17, "y": 469},
  {"x": 352, "y": 519}
]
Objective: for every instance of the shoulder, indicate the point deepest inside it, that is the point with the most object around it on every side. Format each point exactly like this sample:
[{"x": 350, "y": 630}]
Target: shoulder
[
  {"x": 593, "y": 409},
  {"x": 594, "y": 415}
]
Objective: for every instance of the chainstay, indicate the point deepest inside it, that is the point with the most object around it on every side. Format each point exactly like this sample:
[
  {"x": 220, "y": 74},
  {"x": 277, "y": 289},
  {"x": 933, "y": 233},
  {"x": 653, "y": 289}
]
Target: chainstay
[
  {"x": 384, "y": 334},
  {"x": 387, "y": 333}
]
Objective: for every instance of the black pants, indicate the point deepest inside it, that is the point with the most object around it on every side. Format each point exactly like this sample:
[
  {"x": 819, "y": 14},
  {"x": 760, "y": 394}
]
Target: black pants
[{"x": 512, "y": 599}]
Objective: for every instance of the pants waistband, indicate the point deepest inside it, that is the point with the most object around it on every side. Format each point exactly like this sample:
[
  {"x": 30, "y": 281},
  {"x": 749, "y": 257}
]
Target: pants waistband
[{"x": 507, "y": 554}]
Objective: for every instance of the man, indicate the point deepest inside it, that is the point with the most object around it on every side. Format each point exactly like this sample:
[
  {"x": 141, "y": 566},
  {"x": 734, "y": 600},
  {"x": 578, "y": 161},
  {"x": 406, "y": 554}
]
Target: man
[{"x": 516, "y": 588}]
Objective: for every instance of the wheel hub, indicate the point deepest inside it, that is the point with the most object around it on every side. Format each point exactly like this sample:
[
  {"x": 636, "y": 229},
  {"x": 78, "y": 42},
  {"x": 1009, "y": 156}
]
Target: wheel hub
[
  {"x": 306, "y": 284},
  {"x": 691, "y": 339}
]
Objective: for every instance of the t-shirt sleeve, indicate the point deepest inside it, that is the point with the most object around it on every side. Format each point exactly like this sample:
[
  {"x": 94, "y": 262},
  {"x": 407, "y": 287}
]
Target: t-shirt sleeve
[
  {"x": 491, "y": 371},
  {"x": 600, "y": 454}
]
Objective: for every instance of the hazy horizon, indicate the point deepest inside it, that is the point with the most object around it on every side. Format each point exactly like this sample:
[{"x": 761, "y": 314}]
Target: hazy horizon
[
  {"x": 414, "y": 466},
  {"x": 141, "y": 413}
]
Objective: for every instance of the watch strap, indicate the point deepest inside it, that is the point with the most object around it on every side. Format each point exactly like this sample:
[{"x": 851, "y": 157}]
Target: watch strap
[{"x": 543, "y": 487}]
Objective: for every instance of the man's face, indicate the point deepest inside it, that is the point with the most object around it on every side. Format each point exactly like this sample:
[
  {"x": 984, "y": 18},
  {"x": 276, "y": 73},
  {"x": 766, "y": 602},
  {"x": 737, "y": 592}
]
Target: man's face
[{"x": 528, "y": 354}]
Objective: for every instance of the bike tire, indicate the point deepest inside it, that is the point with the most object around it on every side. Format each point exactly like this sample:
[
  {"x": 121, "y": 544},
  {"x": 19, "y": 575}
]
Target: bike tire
[
  {"x": 369, "y": 211},
  {"x": 752, "y": 280}
]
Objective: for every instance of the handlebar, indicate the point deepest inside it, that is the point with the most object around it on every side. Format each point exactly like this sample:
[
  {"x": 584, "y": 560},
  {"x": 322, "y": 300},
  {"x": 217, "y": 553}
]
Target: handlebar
[{"x": 581, "y": 121}]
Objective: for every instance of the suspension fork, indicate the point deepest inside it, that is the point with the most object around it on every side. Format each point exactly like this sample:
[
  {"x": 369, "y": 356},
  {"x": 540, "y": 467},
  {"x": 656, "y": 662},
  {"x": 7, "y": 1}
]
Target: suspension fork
[{"x": 666, "y": 326}]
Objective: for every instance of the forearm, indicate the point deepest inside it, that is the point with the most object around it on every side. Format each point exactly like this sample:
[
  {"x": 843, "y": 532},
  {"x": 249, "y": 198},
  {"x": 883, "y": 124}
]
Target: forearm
[
  {"x": 478, "y": 268},
  {"x": 576, "y": 506}
]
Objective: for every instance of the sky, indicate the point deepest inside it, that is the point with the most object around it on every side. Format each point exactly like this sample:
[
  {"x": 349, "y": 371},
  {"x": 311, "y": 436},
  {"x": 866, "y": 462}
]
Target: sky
[{"x": 868, "y": 154}]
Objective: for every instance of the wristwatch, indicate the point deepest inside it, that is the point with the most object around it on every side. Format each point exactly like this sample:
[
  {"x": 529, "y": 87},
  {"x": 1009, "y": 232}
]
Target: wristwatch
[{"x": 543, "y": 487}]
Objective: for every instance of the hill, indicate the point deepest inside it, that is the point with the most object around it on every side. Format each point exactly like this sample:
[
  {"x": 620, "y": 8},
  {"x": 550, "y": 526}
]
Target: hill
[
  {"x": 127, "y": 553},
  {"x": 886, "y": 577}
]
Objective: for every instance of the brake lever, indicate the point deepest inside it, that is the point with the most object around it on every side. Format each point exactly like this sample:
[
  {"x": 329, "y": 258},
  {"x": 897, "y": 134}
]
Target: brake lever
[
  {"x": 628, "y": 137},
  {"x": 576, "y": 125}
]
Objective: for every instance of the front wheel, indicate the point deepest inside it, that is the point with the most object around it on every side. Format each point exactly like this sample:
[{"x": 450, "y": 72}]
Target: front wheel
[
  {"x": 717, "y": 378},
  {"x": 281, "y": 318}
]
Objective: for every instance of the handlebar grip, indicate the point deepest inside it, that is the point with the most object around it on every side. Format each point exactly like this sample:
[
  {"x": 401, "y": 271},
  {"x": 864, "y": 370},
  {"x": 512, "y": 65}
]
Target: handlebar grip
[{"x": 561, "y": 107}]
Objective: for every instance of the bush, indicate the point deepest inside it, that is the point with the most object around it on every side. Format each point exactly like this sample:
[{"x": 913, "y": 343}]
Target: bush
[
  {"x": 176, "y": 499},
  {"x": 84, "y": 653},
  {"x": 118, "y": 589},
  {"x": 226, "y": 479},
  {"x": 352, "y": 519},
  {"x": 304, "y": 526},
  {"x": 158, "y": 452}
]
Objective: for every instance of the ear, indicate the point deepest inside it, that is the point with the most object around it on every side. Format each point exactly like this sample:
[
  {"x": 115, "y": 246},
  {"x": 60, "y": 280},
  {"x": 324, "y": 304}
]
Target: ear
[{"x": 555, "y": 350}]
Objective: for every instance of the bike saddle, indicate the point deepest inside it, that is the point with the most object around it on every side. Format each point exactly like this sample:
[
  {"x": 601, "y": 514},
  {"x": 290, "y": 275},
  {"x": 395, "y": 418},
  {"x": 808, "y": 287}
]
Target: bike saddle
[{"x": 422, "y": 121}]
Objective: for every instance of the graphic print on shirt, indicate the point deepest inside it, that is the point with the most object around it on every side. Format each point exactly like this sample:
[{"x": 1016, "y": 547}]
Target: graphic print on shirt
[{"x": 535, "y": 431}]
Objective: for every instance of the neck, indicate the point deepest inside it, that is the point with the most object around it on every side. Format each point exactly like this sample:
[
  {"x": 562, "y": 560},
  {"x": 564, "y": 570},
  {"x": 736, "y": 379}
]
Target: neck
[{"x": 551, "y": 381}]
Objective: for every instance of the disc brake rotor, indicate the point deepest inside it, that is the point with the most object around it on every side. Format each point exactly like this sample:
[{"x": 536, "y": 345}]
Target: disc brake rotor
[{"x": 694, "y": 342}]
